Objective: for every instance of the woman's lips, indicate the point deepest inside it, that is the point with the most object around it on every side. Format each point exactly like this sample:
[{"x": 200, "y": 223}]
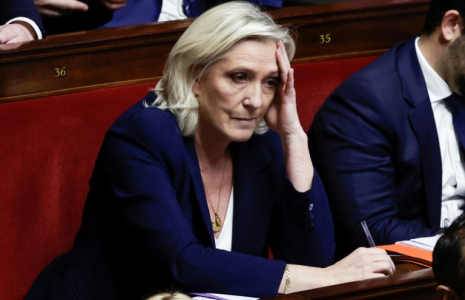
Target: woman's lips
[
  {"x": 248, "y": 122},
  {"x": 245, "y": 119}
]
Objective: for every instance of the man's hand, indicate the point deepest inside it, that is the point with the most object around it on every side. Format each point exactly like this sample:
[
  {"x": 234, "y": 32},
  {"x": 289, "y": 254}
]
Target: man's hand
[
  {"x": 58, "y": 8},
  {"x": 16, "y": 32}
]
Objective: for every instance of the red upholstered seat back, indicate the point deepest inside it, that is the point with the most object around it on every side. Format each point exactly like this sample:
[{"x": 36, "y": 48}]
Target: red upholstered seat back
[
  {"x": 49, "y": 146},
  {"x": 316, "y": 80}
]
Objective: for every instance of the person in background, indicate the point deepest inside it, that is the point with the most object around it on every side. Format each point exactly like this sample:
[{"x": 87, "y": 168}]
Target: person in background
[
  {"x": 19, "y": 22},
  {"x": 61, "y": 16},
  {"x": 198, "y": 180},
  {"x": 147, "y": 11},
  {"x": 449, "y": 261},
  {"x": 388, "y": 142}
]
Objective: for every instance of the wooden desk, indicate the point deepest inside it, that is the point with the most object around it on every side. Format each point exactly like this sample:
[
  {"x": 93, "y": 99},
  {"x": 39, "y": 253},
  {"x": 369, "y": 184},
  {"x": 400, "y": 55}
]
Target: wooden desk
[
  {"x": 409, "y": 282},
  {"x": 109, "y": 57}
]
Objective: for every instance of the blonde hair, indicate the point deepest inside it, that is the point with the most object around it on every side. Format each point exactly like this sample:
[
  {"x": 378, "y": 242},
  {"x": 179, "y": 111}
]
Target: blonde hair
[{"x": 206, "y": 41}]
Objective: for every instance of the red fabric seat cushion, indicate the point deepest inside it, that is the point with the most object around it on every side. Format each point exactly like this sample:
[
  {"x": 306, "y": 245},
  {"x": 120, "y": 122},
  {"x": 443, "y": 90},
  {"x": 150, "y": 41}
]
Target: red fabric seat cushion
[{"x": 49, "y": 149}]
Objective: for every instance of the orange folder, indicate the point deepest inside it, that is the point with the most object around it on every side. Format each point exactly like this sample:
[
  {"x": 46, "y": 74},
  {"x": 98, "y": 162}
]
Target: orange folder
[{"x": 409, "y": 254}]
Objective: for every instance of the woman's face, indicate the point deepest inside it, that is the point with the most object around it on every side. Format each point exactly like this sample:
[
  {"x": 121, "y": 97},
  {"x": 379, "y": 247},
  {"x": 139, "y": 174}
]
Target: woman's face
[{"x": 235, "y": 92}]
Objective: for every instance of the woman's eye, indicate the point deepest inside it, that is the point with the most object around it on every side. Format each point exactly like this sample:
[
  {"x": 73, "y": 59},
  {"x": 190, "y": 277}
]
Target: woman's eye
[
  {"x": 239, "y": 77},
  {"x": 272, "y": 83}
]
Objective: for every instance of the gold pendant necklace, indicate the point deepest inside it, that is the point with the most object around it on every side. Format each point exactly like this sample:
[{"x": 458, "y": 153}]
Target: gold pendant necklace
[{"x": 217, "y": 223}]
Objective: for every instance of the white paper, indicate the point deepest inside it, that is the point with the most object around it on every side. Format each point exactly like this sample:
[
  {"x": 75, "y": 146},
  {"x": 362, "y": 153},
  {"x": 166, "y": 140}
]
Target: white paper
[
  {"x": 222, "y": 296},
  {"x": 425, "y": 243}
]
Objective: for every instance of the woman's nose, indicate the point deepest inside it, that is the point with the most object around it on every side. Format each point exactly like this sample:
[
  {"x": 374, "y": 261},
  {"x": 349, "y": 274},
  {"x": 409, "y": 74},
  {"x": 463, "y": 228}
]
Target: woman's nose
[{"x": 253, "y": 96}]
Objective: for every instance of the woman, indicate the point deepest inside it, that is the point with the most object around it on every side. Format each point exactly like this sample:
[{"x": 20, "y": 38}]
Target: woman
[{"x": 185, "y": 196}]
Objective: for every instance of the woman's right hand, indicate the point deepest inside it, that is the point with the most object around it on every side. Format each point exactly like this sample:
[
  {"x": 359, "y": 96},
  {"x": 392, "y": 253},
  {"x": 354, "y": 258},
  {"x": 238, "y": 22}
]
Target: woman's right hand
[{"x": 363, "y": 263}]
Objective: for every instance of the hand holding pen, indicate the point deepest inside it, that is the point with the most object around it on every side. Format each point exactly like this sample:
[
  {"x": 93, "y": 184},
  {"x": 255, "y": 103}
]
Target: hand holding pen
[{"x": 368, "y": 234}]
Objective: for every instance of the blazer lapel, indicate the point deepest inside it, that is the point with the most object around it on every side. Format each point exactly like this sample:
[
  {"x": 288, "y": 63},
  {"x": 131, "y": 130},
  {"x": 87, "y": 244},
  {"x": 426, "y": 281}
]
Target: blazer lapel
[
  {"x": 459, "y": 125},
  {"x": 194, "y": 169},
  {"x": 422, "y": 120},
  {"x": 250, "y": 160}
]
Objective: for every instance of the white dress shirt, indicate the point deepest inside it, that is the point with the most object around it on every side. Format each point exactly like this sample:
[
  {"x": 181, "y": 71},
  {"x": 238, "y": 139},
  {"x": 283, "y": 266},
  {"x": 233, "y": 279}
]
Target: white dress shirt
[
  {"x": 30, "y": 22},
  {"x": 224, "y": 240},
  {"x": 171, "y": 10},
  {"x": 453, "y": 172}
]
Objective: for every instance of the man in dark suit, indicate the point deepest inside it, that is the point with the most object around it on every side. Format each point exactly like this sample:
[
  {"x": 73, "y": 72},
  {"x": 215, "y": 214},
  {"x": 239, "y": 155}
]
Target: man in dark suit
[
  {"x": 22, "y": 21},
  {"x": 384, "y": 141},
  {"x": 61, "y": 16}
]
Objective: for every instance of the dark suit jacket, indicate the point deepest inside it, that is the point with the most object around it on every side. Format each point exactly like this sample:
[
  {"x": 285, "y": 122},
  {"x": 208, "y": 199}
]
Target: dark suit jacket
[
  {"x": 194, "y": 8},
  {"x": 147, "y": 11},
  {"x": 95, "y": 16},
  {"x": 10, "y": 9},
  {"x": 374, "y": 143},
  {"x": 146, "y": 226}
]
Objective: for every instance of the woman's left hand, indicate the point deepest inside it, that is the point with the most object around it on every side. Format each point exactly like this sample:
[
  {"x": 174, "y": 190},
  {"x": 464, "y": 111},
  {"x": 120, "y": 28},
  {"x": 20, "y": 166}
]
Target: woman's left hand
[
  {"x": 282, "y": 115},
  {"x": 282, "y": 118}
]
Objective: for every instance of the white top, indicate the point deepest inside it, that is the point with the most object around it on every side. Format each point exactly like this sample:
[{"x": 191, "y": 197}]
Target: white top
[
  {"x": 30, "y": 22},
  {"x": 453, "y": 172},
  {"x": 171, "y": 10},
  {"x": 224, "y": 240}
]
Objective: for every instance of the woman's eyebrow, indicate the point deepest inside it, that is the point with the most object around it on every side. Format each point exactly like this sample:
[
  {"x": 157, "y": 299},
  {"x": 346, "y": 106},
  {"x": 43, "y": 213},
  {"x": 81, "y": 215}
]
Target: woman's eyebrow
[{"x": 241, "y": 69}]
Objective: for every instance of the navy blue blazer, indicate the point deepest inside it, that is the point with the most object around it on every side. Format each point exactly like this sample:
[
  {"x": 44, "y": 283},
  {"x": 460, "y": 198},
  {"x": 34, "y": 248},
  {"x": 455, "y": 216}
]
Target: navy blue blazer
[
  {"x": 147, "y": 11},
  {"x": 375, "y": 144},
  {"x": 146, "y": 226},
  {"x": 10, "y": 9},
  {"x": 194, "y": 8},
  {"x": 94, "y": 17}
]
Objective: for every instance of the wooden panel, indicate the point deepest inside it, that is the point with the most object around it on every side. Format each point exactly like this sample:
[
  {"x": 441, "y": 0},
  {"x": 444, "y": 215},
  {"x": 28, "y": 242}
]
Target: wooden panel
[
  {"x": 357, "y": 28},
  {"x": 408, "y": 283},
  {"x": 136, "y": 54},
  {"x": 93, "y": 59}
]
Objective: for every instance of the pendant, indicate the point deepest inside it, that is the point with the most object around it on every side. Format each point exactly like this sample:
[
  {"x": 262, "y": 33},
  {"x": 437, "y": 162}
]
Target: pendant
[{"x": 216, "y": 225}]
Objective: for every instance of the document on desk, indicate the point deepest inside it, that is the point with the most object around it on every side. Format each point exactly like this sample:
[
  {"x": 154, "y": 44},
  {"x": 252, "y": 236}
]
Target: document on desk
[
  {"x": 419, "y": 250},
  {"x": 210, "y": 296},
  {"x": 425, "y": 243}
]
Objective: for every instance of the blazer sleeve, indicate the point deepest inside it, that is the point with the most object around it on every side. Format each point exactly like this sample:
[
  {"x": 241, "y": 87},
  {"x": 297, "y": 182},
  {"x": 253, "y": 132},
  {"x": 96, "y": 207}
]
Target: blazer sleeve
[
  {"x": 139, "y": 156},
  {"x": 352, "y": 142},
  {"x": 301, "y": 231},
  {"x": 304, "y": 234},
  {"x": 10, "y": 9}
]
